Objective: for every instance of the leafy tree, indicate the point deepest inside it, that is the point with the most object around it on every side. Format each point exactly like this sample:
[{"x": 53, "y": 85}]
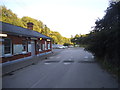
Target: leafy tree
[
  {"x": 103, "y": 41},
  {"x": 66, "y": 44},
  {"x": 9, "y": 17},
  {"x": 37, "y": 24},
  {"x": 77, "y": 36}
]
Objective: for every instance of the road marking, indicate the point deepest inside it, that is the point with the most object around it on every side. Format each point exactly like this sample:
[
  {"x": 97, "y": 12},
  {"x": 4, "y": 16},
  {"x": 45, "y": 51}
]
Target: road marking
[
  {"x": 86, "y": 60},
  {"x": 57, "y": 57},
  {"x": 86, "y": 57},
  {"x": 66, "y": 63},
  {"x": 92, "y": 56},
  {"x": 51, "y": 57},
  {"x": 70, "y": 59},
  {"x": 47, "y": 63},
  {"x": 36, "y": 83}
]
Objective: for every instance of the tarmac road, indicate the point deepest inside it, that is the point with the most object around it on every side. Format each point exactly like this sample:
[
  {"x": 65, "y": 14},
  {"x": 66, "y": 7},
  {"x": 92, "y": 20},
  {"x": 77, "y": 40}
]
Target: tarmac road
[{"x": 70, "y": 68}]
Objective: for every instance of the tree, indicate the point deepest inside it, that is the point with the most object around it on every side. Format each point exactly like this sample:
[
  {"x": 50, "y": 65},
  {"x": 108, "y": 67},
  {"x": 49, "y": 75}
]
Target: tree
[
  {"x": 103, "y": 41},
  {"x": 38, "y": 25},
  {"x": 9, "y": 17}
]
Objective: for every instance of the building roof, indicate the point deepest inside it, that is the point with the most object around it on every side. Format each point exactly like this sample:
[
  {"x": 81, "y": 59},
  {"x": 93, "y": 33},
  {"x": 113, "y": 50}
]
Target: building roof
[{"x": 16, "y": 30}]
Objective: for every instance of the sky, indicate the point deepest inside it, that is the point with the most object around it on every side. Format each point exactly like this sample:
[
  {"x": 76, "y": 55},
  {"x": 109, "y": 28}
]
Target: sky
[{"x": 68, "y": 17}]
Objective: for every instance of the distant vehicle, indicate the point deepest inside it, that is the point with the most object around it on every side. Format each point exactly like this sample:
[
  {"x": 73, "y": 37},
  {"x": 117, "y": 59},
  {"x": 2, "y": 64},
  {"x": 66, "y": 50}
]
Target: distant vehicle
[
  {"x": 57, "y": 46},
  {"x": 70, "y": 46},
  {"x": 66, "y": 46},
  {"x": 61, "y": 47},
  {"x": 54, "y": 46}
]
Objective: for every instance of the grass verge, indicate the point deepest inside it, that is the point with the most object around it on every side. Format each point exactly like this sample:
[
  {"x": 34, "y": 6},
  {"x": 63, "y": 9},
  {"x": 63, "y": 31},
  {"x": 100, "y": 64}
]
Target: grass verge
[{"x": 113, "y": 70}]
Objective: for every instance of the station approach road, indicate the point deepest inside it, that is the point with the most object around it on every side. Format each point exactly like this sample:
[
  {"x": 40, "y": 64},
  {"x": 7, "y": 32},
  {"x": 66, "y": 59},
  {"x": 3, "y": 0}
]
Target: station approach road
[{"x": 69, "y": 68}]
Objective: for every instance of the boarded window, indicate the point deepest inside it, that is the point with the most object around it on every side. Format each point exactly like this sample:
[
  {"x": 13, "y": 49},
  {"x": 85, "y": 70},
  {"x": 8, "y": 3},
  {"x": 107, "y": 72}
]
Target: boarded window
[{"x": 17, "y": 48}]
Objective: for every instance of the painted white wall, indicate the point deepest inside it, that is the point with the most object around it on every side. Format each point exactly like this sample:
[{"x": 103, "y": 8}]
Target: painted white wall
[
  {"x": 45, "y": 45},
  {"x": 33, "y": 48},
  {"x": 29, "y": 47}
]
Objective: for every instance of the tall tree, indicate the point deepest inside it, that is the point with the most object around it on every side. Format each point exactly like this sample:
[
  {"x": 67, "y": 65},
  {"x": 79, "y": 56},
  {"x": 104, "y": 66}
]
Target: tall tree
[
  {"x": 9, "y": 17},
  {"x": 37, "y": 24},
  {"x": 103, "y": 41}
]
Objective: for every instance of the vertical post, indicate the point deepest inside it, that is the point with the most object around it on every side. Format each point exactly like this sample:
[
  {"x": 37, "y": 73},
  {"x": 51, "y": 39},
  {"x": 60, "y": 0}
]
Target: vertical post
[{"x": 33, "y": 48}]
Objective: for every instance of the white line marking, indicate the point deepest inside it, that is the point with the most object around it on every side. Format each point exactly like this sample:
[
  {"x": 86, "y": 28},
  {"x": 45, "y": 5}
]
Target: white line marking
[
  {"x": 47, "y": 63},
  {"x": 67, "y": 63},
  {"x": 86, "y": 60},
  {"x": 57, "y": 57},
  {"x": 86, "y": 57},
  {"x": 70, "y": 59}
]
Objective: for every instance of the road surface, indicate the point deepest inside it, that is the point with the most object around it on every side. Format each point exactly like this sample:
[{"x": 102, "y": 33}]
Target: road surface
[{"x": 70, "y": 68}]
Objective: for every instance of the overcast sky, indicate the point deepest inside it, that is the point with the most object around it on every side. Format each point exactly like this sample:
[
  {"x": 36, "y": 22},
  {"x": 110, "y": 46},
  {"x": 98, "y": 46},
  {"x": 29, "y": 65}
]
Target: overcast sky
[{"x": 69, "y": 17}]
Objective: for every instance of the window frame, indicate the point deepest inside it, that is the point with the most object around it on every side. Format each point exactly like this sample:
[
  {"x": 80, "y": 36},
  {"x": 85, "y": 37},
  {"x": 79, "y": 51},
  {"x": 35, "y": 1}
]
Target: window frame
[
  {"x": 29, "y": 43},
  {"x": 24, "y": 51},
  {"x": 38, "y": 46},
  {"x": 49, "y": 45},
  {"x": 7, "y": 54}
]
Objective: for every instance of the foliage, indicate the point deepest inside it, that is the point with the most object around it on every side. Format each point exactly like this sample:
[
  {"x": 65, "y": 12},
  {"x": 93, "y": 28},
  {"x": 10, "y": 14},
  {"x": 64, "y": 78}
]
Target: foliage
[
  {"x": 37, "y": 24},
  {"x": 104, "y": 40},
  {"x": 66, "y": 44},
  {"x": 9, "y": 17},
  {"x": 78, "y": 39}
]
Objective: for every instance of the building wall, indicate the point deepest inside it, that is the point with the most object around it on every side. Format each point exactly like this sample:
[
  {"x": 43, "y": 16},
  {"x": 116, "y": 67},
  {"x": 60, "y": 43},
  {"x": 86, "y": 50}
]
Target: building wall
[
  {"x": 17, "y": 41},
  {"x": 5, "y": 59}
]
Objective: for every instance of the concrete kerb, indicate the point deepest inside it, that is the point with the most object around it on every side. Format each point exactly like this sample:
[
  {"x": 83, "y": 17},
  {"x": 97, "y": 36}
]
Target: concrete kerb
[{"x": 12, "y": 66}]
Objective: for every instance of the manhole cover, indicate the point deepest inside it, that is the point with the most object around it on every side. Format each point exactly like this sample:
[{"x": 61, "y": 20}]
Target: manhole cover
[{"x": 86, "y": 61}]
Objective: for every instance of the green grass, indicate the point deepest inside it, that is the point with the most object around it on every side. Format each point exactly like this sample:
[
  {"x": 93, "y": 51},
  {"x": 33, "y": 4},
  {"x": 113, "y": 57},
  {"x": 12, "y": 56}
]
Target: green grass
[
  {"x": 113, "y": 70},
  {"x": 84, "y": 46}
]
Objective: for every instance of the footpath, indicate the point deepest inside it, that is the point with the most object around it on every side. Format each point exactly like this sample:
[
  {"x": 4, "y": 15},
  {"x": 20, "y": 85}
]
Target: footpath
[{"x": 9, "y": 67}]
